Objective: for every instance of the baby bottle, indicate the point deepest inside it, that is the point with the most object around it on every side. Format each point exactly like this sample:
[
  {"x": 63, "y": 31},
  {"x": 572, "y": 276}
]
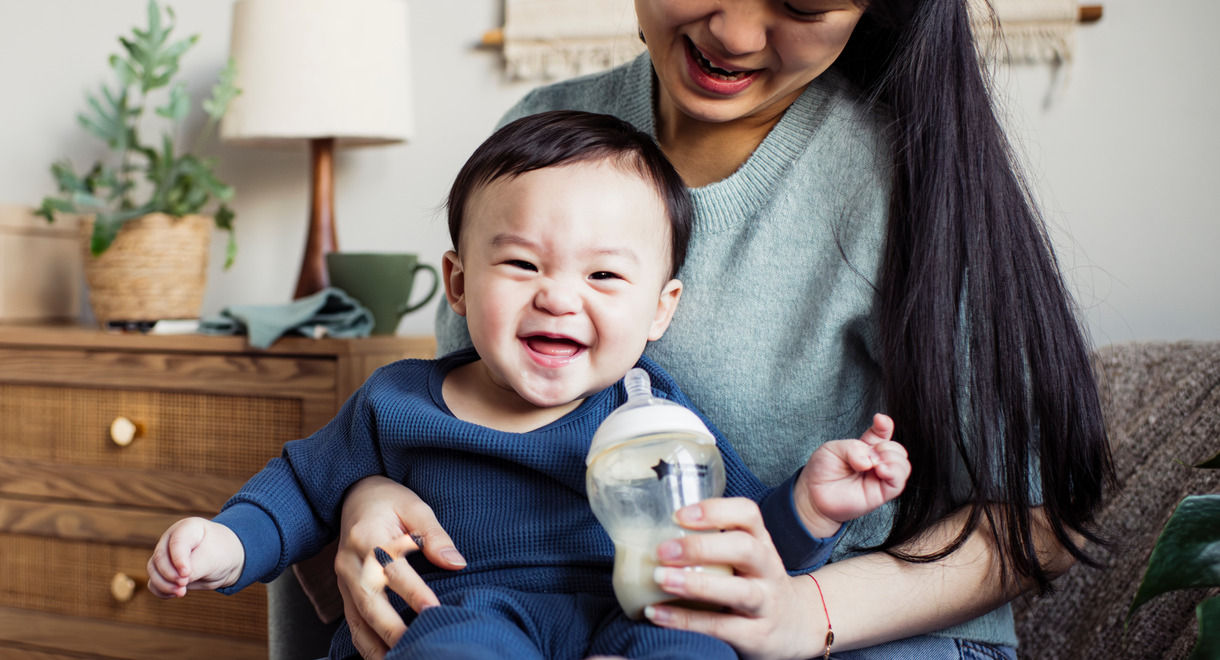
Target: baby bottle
[{"x": 649, "y": 458}]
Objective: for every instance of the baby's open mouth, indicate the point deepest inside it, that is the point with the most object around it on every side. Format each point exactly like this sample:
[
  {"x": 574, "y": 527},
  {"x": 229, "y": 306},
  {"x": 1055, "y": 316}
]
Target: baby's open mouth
[
  {"x": 553, "y": 346},
  {"x": 715, "y": 71}
]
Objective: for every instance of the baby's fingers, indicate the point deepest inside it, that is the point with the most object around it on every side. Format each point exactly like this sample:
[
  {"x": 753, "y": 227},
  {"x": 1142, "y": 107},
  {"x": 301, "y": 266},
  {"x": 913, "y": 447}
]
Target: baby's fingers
[
  {"x": 882, "y": 430},
  {"x": 860, "y": 456},
  {"x": 184, "y": 537},
  {"x": 163, "y": 577},
  {"x": 163, "y": 585},
  {"x": 893, "y": 469}
]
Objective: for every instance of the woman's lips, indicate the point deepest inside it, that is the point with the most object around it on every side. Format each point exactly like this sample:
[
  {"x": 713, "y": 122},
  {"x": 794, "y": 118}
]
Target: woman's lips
[{"x": 715, "y": 79}]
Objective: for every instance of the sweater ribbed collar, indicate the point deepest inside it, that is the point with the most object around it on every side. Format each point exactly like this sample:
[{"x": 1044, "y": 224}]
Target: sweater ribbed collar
[{"x": 739, "y": 197}]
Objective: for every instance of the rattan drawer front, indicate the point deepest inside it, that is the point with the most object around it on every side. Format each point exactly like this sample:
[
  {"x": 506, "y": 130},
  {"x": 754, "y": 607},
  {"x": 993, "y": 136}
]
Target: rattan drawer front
[
  {"x": 214, "y": 434},
  {"x": 74, "y": 578}
]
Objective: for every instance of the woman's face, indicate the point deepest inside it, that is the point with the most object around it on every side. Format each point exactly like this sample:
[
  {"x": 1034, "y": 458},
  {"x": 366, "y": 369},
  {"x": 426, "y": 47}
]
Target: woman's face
[{"x": 724, "y": 60}]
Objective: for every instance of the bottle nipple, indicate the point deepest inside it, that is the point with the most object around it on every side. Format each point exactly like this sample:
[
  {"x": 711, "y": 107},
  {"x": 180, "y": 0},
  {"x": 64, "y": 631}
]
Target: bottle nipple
[{"x": 639, "y": 387}]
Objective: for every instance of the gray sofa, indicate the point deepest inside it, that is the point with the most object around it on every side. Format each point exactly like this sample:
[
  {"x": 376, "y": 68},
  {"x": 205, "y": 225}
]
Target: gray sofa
[{"x": 1162, "y": 407}]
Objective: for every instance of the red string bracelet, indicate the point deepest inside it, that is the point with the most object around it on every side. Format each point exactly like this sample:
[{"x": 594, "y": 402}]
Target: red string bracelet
[{"x": 830, "y": 631}]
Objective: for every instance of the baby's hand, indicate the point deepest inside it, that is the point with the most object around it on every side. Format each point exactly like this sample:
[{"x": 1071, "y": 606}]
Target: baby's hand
[
  {"x": 845, "y": 479},
  {"x": 194, "y": 553}
]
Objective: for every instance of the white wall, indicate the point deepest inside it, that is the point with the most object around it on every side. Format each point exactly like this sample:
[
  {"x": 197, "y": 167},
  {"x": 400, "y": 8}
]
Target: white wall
[{"x": 1123, "y": 158}]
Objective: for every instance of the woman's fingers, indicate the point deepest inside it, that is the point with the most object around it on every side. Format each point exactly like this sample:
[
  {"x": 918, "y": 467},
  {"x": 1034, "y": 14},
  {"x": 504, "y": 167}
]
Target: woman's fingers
[
  {"x": 358, "y": 608},
  {"x": 724, "y": 513},
  {"x": 728, "y": 627},
  {"x": 742, "y": 595},
  {"x": 428, "y": 536},
  {"x": 402, "y": 579}
]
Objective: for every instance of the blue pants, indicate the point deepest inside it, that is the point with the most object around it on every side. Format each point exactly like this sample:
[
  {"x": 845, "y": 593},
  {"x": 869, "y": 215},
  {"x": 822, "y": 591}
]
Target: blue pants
[
  {"x": 496, "y": 622},
  {"x": 930, "y": 647}
]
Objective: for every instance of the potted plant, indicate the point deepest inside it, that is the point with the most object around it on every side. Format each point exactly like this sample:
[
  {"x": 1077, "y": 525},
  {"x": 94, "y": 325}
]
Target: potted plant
[
  {"x": 1187, "y": 555},
  {"x": 145, "y": 238}
]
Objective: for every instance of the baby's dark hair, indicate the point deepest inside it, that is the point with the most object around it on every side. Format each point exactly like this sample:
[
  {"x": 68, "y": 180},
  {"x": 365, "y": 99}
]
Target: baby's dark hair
[{"x": 562, "y": 137}]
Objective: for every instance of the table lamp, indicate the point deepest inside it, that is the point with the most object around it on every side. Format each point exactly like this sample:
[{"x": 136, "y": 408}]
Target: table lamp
[{"x": 332, "y": 73}]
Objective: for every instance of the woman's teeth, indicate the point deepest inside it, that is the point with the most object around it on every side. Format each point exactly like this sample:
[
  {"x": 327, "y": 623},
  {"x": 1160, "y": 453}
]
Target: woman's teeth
[{"x": 715, "y": 71}]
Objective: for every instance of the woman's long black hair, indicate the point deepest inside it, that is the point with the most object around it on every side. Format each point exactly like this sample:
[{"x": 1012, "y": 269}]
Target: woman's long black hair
[{"x": 983, "y": 357}]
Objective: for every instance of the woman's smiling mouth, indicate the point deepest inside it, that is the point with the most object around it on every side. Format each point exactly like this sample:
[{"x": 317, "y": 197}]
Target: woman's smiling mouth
[{"x": 715, "y": 79}]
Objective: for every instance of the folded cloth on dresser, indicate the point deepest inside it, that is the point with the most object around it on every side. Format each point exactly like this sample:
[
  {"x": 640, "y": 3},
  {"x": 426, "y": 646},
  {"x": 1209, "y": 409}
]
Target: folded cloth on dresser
[{"x": 330, "y": 312}]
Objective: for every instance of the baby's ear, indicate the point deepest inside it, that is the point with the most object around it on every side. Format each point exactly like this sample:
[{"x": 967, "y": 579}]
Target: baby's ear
[
  {"x": 666, "y": 304},
  {"x": 455, "y": 282}
]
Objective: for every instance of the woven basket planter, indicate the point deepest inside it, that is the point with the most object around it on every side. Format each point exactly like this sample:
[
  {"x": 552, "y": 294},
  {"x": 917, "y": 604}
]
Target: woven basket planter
[{"x": 155, "y": 269}]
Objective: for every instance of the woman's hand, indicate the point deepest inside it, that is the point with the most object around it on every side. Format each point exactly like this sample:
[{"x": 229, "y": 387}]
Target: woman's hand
[
  {"x": 766, "y": 614},
  {"x": 381, "y": 513}
]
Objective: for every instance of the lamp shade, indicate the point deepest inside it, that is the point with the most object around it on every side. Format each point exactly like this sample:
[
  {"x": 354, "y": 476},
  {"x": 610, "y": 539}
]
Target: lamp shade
[{"x": 313, "y": 69}]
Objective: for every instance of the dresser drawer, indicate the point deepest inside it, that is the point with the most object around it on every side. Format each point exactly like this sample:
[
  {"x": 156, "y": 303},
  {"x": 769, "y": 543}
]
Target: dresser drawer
[
  {"x": 38, "y": 573},
  {"x": 72, "y": 425}
]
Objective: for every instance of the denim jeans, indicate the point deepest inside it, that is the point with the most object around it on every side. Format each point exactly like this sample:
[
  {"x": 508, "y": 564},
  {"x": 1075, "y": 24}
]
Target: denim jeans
[{"x": 929, "y": 647}]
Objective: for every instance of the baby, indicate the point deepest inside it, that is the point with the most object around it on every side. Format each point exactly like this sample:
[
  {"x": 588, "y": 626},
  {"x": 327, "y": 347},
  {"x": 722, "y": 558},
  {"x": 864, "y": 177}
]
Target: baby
[{"x": 568, "y": 229}]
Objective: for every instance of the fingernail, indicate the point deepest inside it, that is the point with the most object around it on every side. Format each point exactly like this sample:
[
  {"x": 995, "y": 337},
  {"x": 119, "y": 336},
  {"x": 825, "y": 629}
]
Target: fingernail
[
  {"x": 690, "y": 514},
  {"x": 382, "y": 556},
  {"x": 656, "y": 615},
  {"x": 669, "y": 550},
  {"x": 454, "y": 557},
  {"x": 669, "y": 578}
]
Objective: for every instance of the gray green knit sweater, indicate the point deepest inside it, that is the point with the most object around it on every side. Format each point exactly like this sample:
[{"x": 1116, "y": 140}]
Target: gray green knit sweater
[{"x": 775, "y": 338}]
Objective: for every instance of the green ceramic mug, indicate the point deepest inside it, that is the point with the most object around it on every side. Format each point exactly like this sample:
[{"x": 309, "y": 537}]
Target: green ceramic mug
[{"x": 381, "y": 281}]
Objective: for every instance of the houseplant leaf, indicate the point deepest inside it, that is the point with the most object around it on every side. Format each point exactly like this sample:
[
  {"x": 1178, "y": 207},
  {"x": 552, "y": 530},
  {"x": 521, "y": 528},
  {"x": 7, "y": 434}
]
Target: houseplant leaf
[
  {"x": 1212, "y": 463},
  {"x": 223, "y": 92},
  {"x": 1187, "y": 553},
  {"x": 112, "y": 120},
  {"x": 178, "y": 105},
  {"x": 52, "y": 205},
  {"x": 1208, "y": 644},
  {"x": 224, "y": 220}
]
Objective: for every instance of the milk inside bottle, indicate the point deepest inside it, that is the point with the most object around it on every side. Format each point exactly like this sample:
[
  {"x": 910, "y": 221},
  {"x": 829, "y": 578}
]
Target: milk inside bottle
[{"x": 649, "y": 458}]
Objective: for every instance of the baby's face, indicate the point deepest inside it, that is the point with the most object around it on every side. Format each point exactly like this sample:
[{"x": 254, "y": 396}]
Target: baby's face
[{"x": 563, "y": 277}]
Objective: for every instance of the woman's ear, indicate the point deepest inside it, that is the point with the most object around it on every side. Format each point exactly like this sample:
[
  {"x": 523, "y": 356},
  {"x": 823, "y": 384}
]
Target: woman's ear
[
  {"x": 666, "y": 304},
  {"x": 455, "y": 282}
]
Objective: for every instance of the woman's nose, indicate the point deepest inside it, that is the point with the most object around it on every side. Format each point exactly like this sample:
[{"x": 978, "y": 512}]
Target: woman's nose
[
  {"x": 558, "y": 298},
  {"x": 741, "y": 27}
]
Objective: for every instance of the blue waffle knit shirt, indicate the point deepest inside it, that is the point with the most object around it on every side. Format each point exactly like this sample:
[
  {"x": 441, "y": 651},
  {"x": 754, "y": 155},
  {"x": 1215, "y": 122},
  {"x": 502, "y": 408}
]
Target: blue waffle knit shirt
[{"x": 514, "y": 503}]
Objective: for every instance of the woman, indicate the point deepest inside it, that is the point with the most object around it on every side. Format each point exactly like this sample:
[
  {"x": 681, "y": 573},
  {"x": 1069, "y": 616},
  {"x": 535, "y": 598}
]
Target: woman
[{"x": 862, "y": 242}]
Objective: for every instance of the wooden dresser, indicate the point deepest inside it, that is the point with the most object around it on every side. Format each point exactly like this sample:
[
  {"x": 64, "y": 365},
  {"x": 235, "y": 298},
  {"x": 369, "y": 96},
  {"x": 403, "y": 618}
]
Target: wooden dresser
[{"x": 106, "y": 439}]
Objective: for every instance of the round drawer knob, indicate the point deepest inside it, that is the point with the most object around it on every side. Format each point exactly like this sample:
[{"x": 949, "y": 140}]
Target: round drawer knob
[
  {"x": 123, "y": 431},
  {"x": 122, "y": 587}
]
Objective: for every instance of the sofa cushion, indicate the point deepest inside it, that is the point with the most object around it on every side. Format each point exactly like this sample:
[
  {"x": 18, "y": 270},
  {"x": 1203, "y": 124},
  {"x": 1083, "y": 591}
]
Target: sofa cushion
[{"x": 1161, "y": 403}]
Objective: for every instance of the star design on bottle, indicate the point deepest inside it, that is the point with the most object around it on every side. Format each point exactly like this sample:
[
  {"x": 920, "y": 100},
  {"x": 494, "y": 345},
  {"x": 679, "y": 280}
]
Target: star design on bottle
[{"x": 664, "y": 468}]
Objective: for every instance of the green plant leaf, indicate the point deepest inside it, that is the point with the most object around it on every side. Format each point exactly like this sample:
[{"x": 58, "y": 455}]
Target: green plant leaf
[
  {"x": 223, "y": 92},
  {"x": 224, "y": 220},
  {"x": 52, "y": 205},
  {"x": 105, "y": 228},
  {"x": 1207, "y": 647},
  {"x": 178, "y": 105},
  {"x": 110, "y": 120},
  {"x": 65, "y": 177},
  {"x": 87, "y": 200},
  {"x": 150, "y": 59},
  {"x": 1212, "y": 463},
  {"x": 1187, "y": 553},
  {"x": 122, "y": 67},
  {"x": 102, "y": 178}
]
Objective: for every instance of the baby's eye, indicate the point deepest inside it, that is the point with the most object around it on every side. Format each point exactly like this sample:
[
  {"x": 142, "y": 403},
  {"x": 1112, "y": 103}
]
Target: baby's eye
[
  {"x": 604, "y": 275},
  {"x": 522, "y": 264}
]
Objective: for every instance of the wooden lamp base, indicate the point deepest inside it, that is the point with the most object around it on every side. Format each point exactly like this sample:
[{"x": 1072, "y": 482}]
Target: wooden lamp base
[{"x": 321, "y": 237}]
